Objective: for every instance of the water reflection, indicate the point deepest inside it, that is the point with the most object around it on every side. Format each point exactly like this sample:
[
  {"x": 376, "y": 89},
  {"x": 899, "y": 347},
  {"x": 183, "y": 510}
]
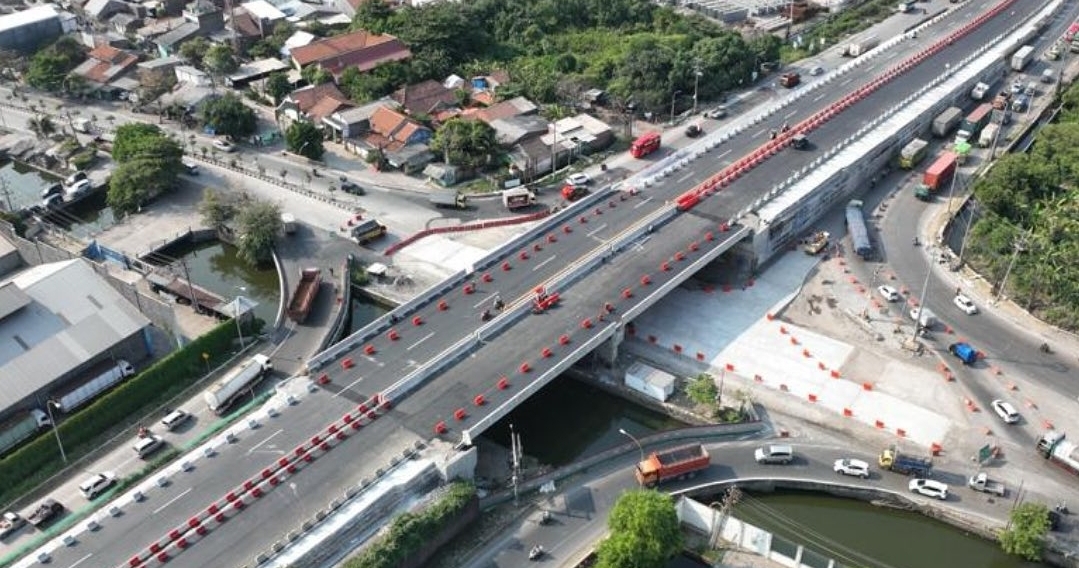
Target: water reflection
[{"x": 214, "y": 266}]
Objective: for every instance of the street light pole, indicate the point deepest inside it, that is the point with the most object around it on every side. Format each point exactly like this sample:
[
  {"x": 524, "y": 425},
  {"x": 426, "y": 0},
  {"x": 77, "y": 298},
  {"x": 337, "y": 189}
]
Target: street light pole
[
  {"x": 236, "y": 313},
  {"x": 696, "y": 82},
  {"x": 48, "y": 407},
  {"x": 921, "y": 301},
  {"x": 635, "y": 441},
  {"x": 674, "y": 98}
]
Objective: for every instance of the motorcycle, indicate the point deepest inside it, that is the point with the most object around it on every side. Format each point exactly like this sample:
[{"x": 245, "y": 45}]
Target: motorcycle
[
  {"x": 1044, "y": 348},
  {"x": 536, "y": 553},
  {"x": 485, "y": 316},
  {"x": 545, "y": 518}
]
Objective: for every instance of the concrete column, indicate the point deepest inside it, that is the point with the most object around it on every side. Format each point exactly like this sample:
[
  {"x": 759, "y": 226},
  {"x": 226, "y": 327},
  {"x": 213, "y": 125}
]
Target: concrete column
[{"x": 607, "y": 353}]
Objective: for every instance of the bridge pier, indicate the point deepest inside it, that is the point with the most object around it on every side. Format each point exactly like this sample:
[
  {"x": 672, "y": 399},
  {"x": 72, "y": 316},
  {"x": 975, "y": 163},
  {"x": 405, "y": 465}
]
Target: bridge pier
[{"x": 607, "y": 353}]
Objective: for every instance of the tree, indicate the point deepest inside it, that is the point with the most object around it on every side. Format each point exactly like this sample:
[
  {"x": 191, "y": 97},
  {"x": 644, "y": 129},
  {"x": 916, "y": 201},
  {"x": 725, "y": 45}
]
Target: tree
[
  {"x": 49, "y": 67},
  {"x": 220, "y": 60},
  {"x": 216, "y": 209},
  {"x": 305, "y": 139},
  {"x": 316, "y": 75},
  {"x": 148, "y": 162},
  {"x": 258, "y": 223},
  {"x": 229, "y": 115},
  {"x": 278, "y": 87},
  {"x": 644, "y": 532},
  {"x": 195, "y": 50},
  {"x": 1025, "y": 535},
  {"x": 702, "y": 389},
  {"x": 468, "y": 143},
  {"x": 42, "y": 125}
]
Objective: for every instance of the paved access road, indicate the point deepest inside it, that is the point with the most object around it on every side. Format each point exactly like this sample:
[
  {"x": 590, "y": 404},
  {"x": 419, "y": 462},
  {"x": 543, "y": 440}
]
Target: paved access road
[
  {"x": 238, "y": 541},
  {"x": 579, "y": 513}
]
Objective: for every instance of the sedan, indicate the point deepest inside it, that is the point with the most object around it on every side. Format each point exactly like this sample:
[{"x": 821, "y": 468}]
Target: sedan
[
  {"x": 854, "y": 468},
  {"x": 716, "y": 113},
  {"x": 224, "y": 145},
  {"x": 578, "y": 179},
  {"x": 1005, "y": 411},
  {"x": 964, "y": 303},
  {"x": 929, "y": 488},
  {"x": 889, "y": 293}
]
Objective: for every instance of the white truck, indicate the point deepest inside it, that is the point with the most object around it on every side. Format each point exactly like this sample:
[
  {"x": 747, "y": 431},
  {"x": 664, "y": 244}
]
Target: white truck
[
  {"x": 989, "y": 133},
  {"x": 235, "y": 382},
  {"x": 859, "y": 47},
  {"x": 1022, "y": 57},
  {"x": 447, "y": 197},
  {"x": 99, "y": 384},
  {"x": 981, "y": 482},
  {"x": 18, "y": 429},
  {"x": 946, "y": 121},
  {"x": 518, "y": 197},
  {"x": 10, "y": 523},
  {"x": 979, "y": 91}
]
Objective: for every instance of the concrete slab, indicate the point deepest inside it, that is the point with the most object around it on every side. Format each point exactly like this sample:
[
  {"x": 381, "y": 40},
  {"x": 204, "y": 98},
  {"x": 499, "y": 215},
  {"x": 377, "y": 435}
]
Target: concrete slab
[{"x": 442, "y": 254}]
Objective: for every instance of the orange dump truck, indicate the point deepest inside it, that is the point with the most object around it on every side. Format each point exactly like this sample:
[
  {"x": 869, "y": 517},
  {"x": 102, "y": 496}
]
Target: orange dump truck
[
  {"x": 304, "y": 296},
  {"x": 675, "y": 463}
]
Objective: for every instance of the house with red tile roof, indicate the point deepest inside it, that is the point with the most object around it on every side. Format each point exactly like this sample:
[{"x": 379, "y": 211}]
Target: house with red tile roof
[
  {"x": 361, "y": 50},
  {"x": 425, "y": 99},
  {"x": 312, "y": 104},
  {"x": 105, "y": 64}
]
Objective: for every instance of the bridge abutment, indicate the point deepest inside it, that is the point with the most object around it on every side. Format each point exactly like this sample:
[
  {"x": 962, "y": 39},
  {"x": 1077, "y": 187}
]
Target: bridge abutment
[{"x": 607, "y": 353}]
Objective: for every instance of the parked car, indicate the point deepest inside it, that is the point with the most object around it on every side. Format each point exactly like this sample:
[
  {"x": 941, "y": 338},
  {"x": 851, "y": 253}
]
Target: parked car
[
  {"x": 694, "y": 130},
  {"x": 145, "y": 446},
  {"x": 929, "y": 488},
  {"x": 78, "y": 188},
  {"x": 75, "y": 178},
  {"x": 772, "y": 454},
  {"x": 964, "y": 303},
  {"x": 889, "y": 293},
  {"x": 852, "y": 467},
  {"x": 52, "y": 202},
  {"x": 54, "y": 189},
  {"x": 579, "y": 178},
  {"x": 1005, "y": 411},
  {"x": 352, "y": 187},
  {"x": 224, "y": 145},
  {"x": 191, "y": 168},
  {"x": 96, "y": 485}
]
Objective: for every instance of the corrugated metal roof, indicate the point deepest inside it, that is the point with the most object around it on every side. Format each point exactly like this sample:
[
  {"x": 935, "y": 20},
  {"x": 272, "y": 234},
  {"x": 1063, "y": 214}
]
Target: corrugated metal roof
[
  {"x": 74, "y": 316},
  {"x": 24, "y": 17}
]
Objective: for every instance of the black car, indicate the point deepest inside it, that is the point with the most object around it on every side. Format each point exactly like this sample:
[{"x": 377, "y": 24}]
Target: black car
[
  {"x": 694, "y": 130},
  {"x": 350, "y": 187}
]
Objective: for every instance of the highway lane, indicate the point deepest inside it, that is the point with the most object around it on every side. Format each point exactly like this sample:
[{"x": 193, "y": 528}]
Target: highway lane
[
  {"x": 426, "y": 339},
  {"x": 579, "y": 512}
]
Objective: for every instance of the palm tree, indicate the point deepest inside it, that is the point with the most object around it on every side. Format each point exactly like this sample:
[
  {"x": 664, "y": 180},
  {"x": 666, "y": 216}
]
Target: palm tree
[{"x": 42, "y": 126}]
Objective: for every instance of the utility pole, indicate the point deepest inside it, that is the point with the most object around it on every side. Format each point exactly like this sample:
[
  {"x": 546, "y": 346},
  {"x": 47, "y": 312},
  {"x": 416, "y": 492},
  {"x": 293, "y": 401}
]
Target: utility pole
[
  {"x": 730, "y": 499},
  {"x": 7, "y": 194},
  {"x": 515, "y": 461},
  {"x": 966, "y": 233},
  {"x": 696, "y": 81},
  {"x": 1018, "y": 246},
  {"x": 190, "y": 287}
]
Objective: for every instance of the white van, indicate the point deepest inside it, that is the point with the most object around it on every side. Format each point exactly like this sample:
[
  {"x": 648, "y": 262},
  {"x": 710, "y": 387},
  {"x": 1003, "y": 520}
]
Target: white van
[
  {"x": 781, "y": 454},
  {"x": 174, "y": 419},
  {"x": 925, "y": 317},
  {"x": 96, "y": 485},
  {"x": 147, "y": 445}
]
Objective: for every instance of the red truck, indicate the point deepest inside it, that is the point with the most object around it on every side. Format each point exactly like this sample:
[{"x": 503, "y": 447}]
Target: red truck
[
  {"x": 300, "y": 303},
  {"x": 940, "y": 172},
  {"x": 675, "y": 463},
  {"x": 573, "y": 192},
  {"x": 790, "y": 80},
  {"x": 645, "y": 144}
]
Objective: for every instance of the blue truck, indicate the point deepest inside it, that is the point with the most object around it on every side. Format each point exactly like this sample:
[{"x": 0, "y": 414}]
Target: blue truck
[
  {"x": 859, "y": 234},
  {"x": 892, "y": 459},
  {"x": 964, "y": 352}
]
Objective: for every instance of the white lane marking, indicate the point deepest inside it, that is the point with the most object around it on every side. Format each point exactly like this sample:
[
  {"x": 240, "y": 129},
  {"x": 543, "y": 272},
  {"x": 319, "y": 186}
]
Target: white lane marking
[
  {"x": 844, "y": 83},
  {"x": 720, "y": 157},
  {"x": 759, "y": 132},
  {"x": 171, "y": 501},
  {"x": 81, "y": 560},
  {"x": 347, "y": 387},
  {"x": 540, "y": 265},
  {"x": 818, "y": 97},
  {"x": 684, "y": 178},
  {"x": 790, "y": 114},
  {"x": 422, "y": 339},
  {"x": 646, "y": 200},
  {"x": 598, "y": 229},
  {"x": 268, "y": 438}
]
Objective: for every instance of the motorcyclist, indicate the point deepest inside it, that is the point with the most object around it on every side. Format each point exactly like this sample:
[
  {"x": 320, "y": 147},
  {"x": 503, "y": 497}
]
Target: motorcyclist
[
  {"x": 915, "y": 241},
  {"x": 499, "y": 304},
  {"x": 486, "y": 315}
]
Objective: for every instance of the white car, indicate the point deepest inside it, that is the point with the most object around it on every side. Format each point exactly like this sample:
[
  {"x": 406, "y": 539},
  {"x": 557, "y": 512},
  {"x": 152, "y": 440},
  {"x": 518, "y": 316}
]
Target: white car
[
  {"x": 716, "y": 113},
  {"x": 96, "y": 485},
  {"x": 854, "y": 468},
  {"x": 578, "y": 179},
  {"x": 224, "y": 145},
  {"x": 1005, "y": 411},
  {"x": 964, "y": 303},
  {"x": 889, "y": 293},
  {"x": 929, "y": 488},
  {"x": 818, "y": 70}
]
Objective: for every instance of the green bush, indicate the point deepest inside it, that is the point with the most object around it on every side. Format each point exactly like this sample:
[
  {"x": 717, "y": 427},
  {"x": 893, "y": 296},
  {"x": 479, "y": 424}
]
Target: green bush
[
  {"x": 410, "y": 532},
  {"x": 81, "y": 433}
]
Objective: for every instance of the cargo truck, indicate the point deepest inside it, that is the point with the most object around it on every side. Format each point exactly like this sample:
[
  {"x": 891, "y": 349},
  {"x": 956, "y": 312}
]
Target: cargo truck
[
  {"x": 1054, "y": 448},
  {"x": 861, "y": 46},
  {"x": 99, "y": 384},
  {"x": 573, "y": 192},
  {"x": 946, "y": 121},
  {"x": 940, "y": 172},
  {"x": 892, "y": 459},
  {"x": 518, "y": 198},
  {"x": 859, "y": 234},
  {"x": 989, "y": 133},
  {"x": 981, "y": 482},
  {"x": 224, "y": 392},
  {"x": 645, "y": 144},
  {"x": 675, "y": 463},
  {"x": 912, "y": 153},
  {"x": 22, "y": 427},
  {"x": 304, "y": 295},
  {"x": 46, "y": 511},
  {"x": 790, "y": 80},
  {"x": 1022, "y": 57},
  {"x": 972, "y": 125},
  {"x": 450, "y": 198},
  {"x": 10, "y": 523}
]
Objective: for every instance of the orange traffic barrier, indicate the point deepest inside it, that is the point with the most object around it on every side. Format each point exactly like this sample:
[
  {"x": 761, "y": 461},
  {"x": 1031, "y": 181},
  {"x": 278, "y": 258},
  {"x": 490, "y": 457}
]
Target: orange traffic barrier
[
  {"x": 417, "y": 321},
  {"x": 651, "y": 339},
  {"x": 487, "y": 277},
  {"x": 936, "y": 449},
  {"x": 1030, "y": 404},
  {"x": 901, "y": 432},
  {"x": 835, "y": 374},
  {"x": 525, "y": 367},
  {"x": 523, "y": 255},
  {"x": 506, "y": 266},
  {"x": 564, "y": 339},
  {"x": 794, "y": 340},
  {"x": 469, "y": 289},
  {"x": 848, "y": 412},
  {"x": 729, "y": 367},
  {"x": 665, "y": 266},
  {"x": 348, "y": 363},
  {"x": 460, "y": 414},
  {"x": 1011, "y": 386},
  {"x": 546, "y": 352},
  {"x": 694, "y": 246},
  {"x": 323, "y": 379},
  {"x": 627, "y": 293},
  {"x": 677, "y": 348},
  {"x": 758, "y": 378},
  {"x": 503, "y": 383},
  {"x": 769, "y": 317},
  {"x": 820, "y": 365},
  {"x": 879, "y": 424},
  {"x": 479, "y": 400},
  {"x": 393, "y": 335},
  {"x": 1047, "y": 424},
  {"x": 679, "y": 256},
  {"x": 443, "y": 306},
  {"x": 537, "y": 247},
  {"x": 700, "y": 356},
  {"x": 986, "y": 431},
  {"x": 783, "y": 329},
  {"x": 995, "y": 370},
  {"x": 812, "y": 398},
  {"x": 567, "y": 229},
  {"x": 646, "y": 280},
  {"x": 369, "y": 349},
  {"x": 783, "y": 388},
  {"x": 440, "y": 428},
  {"x": 806, "y": 353},
  {"x": 867, "y": 386},
  {"x": 948, "y": 377}
]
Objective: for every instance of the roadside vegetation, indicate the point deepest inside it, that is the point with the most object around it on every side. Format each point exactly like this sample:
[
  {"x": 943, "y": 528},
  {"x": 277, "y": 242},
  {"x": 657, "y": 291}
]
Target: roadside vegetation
[
  {"x": 824, "y": 33},
  {"x": 645, "y": 532},
  {"x": 251, "y": 224},
  {"x": 703, "y": 392},
  {"x": 554, "y": 51},
  {"x": 1028, "y": 221},
  {"x": 1025, "y": 535},
  {"x": 148, "y": 162}
]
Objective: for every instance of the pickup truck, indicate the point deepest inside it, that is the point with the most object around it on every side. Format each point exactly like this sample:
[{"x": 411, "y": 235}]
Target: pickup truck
[
  {"x": 10, "y": 523},
  {"x": 981, "y": 482},
  {"x": 46, "y": 511}
]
